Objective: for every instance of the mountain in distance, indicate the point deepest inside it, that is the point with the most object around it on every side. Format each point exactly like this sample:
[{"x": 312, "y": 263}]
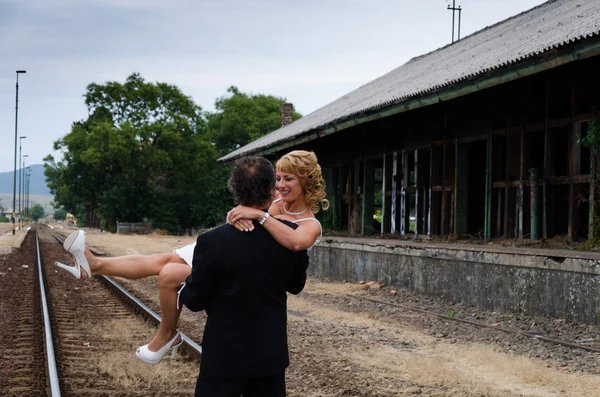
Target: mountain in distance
[
  {"x": 38, "y": 191},
  {"x": 37, "y": 181}
]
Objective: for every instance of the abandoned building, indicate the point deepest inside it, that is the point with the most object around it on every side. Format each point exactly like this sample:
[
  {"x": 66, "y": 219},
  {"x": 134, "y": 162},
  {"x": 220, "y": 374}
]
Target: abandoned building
[{"x": 485, "y": 137}]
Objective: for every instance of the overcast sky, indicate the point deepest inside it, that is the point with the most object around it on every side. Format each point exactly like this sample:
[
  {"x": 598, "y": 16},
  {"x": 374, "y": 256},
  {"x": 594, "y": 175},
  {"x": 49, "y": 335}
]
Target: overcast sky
[{"x": 308, "y": 51}]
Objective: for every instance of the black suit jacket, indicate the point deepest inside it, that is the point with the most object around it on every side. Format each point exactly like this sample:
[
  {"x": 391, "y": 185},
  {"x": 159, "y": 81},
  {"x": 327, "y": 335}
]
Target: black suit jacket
[{"x": 241, "y": 280}]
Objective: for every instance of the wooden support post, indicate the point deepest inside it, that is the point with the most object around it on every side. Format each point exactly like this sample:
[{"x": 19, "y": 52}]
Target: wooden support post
[
  {"x": 404, "y": 213},
  {"x": 574, "y": 169},
  {"x": 591, "y": 213},
  {"x": 548, "y": 173},
  {"x": 368, "y": 198},
  {"x": 454, "y": 196},
  {"x": 443, "y": 229},
  {"x": 452, "y": 210},
  {"x": 521, "y": 193},
  {"x": 429, "y": 193},
  {"x": 499, "y": 219},
  {"x": 336, "y": 199},
  {"x": 384, "y": 201},
  {"x": 357, "y": 180},
  {"x": 394, "y": 210},
  {"x": 386, "y": 186},
  {"x": 461, "y": 197},
  {"x": 547, "y": 162},
  {"x": 507, "y": 196},
  {"x": 487, "y": 222},
  {"x": 534, "y": 200},
  {"x": 545, "y": 192},
  {"x": 329, "y": 192},
  {"x": 342, "y": 198},
  {"x": 418, "y": 219},
  {"x": 349, "y": 192},
  {"x": 355, "y": 225}
]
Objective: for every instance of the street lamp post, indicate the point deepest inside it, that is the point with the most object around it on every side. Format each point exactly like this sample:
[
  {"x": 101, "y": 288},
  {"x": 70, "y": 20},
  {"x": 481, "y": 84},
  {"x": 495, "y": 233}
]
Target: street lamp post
[
  {"x": 15, "y": 168},
  {"x": 22, "y": 191},
  {"x": 20, "y": 171},
  {"x": 27, "y": 186}
]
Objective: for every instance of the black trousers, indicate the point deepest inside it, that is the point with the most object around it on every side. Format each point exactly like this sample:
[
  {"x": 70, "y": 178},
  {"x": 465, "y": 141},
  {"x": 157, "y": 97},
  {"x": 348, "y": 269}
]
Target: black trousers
[{"x": 273, "y": 386}]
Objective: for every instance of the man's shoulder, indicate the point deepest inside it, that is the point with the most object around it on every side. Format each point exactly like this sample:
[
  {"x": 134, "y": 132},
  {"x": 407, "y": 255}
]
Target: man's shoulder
[{"x": 215, "y": 232}]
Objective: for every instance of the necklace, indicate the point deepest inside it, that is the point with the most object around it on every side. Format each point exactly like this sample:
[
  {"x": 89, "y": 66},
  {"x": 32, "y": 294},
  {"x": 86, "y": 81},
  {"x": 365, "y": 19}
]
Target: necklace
[{"x": 293, "y": 213}]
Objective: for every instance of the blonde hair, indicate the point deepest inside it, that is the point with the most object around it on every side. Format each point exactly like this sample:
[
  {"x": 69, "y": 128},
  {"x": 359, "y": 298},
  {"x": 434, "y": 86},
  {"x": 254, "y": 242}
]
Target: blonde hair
[{"x": 304, "y": 165}]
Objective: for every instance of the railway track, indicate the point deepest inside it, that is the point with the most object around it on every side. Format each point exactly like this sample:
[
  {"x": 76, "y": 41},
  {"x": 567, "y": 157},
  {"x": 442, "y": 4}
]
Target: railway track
[
  {"x": 26, "y": 353},
  {"x": 82, "y": 343},
  {"x": 95, "y": 334}
]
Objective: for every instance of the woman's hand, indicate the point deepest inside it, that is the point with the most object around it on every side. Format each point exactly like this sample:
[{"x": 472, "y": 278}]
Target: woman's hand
[
  {"x": 244, "y": 225},
  {"x": 241, "y": 217}
]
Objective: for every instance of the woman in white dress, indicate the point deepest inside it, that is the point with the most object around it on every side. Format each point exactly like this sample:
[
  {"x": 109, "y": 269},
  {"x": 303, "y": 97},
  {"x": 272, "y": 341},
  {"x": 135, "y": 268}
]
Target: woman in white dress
[{"x": 301, "y": 195}]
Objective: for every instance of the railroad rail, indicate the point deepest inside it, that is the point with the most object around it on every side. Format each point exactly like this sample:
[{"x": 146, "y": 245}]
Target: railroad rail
[
  {"x": 51, "y": 370},
  {"x": 192, "y": 347},
  {"x": 59, "y": 347},
  {"x": 24, "y": 357}
]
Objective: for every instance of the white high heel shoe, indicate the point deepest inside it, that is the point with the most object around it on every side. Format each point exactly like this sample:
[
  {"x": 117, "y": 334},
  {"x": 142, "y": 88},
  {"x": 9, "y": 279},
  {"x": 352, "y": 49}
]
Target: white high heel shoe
[
  {"x": 75, "y": 245},
  {"x": 150, "y": 357}
]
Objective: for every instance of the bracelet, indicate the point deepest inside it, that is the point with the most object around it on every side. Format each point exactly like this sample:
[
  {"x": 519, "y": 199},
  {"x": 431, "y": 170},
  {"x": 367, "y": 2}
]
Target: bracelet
[{"x": 264, "y": 218}]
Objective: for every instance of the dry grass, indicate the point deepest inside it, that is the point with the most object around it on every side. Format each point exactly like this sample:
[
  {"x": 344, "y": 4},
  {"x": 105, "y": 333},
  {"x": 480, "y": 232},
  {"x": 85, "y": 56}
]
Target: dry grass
[
  {"x": 386, "y": 363},
  {"x": 332, "y": 288},
  {"x": 404, "y": 333},
  {"x": 129, "y": 373},
  {"x": 138, "y": 376},
  {"x": 534, "y": 373},
  {"x": 130, "y": 244},
  {"x": 474, "y": 370},
  {"x": 457, "y": 369}
]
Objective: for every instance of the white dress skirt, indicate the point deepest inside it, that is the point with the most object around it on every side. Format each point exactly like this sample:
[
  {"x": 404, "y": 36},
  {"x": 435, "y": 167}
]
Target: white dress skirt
[{"x": 186, "y": 253}]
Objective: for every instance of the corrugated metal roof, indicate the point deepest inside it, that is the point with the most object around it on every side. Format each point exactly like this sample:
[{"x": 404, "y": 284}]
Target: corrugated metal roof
[{"x": 545, "y": 27}]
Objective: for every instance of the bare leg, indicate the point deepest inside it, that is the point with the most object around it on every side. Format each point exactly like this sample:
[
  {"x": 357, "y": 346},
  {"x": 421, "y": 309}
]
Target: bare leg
[
  {"x": 132, "y": 266},
  {"x": 169, "y": 282}
]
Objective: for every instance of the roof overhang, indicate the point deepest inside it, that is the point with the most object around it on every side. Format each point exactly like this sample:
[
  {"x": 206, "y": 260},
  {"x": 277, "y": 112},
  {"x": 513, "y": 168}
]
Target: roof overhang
[
  {"x": 540, "y": 63},
  {"x": 550, "y": 35}
]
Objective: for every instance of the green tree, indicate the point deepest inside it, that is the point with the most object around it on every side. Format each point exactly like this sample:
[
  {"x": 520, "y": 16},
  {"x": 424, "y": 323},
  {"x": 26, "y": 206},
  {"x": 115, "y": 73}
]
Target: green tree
[
  {"x": 60, "y": 214},
  {"x": 141, "y": 140},
  {"x": 147, "y": 151},
  {"x": 238, "y": 119},
  {"x": 37, "y": 212},
  {"x": 242, "y": 118}
]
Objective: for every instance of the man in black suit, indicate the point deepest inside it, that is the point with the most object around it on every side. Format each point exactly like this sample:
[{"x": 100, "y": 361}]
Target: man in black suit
[{"x": 241, "y": 280}]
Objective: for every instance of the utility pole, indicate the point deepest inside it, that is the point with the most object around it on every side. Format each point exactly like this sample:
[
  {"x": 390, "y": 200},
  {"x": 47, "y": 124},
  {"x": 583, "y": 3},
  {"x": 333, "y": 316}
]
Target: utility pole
[
  {"x": 28, "y": 175},
  {"x": 459, "y": 14},
  {"x": 454, "y": 9},
  {"x": 22, "y": 183},
  {"x": 15, "y": 169}
]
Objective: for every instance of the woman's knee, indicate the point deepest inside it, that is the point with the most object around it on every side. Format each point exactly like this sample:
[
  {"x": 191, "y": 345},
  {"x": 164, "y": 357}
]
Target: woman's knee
[
  {"x": 167, "y": 257},
  {"x": 172, "y": 275}
]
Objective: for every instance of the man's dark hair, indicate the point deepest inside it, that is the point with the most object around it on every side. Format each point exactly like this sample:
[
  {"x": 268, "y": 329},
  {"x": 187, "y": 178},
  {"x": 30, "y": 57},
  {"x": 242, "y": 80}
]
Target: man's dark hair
[{"x": 252, "y": 181}]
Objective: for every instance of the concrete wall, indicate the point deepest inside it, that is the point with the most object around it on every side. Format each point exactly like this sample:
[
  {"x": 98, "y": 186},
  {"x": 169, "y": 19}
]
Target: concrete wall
[{"x": 561, "y": 284}]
